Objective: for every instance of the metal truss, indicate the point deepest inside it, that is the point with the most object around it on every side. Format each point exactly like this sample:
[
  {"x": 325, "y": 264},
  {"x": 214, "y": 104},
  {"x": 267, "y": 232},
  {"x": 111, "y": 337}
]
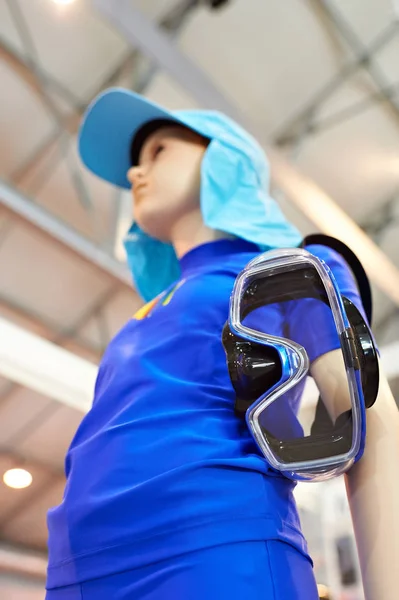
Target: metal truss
[
  {"x": 389, "y": 93},
  {"x": 302, "y": 123},
  {"x": 347, "y": 32}
]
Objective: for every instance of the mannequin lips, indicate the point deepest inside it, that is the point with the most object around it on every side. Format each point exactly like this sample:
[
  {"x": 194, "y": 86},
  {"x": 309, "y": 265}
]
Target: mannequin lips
[{"x": 140, "y": 189}]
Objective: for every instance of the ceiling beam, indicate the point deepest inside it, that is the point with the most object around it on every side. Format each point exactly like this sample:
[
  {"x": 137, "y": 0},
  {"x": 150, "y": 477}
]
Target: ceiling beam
[
  {"x": 319, "y": 208},
  {"x": 21, "y": 208},
  {"x": 16, "y": 561},
  {"x": 36, "y": 363},
  {"x": 24, "y": 315},
  {"x": 24, "y": 71},
  {"x": 61, "y": 335}
]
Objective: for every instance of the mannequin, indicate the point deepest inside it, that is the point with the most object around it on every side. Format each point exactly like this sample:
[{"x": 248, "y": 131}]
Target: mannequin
[{"x": 161, "y": 471}]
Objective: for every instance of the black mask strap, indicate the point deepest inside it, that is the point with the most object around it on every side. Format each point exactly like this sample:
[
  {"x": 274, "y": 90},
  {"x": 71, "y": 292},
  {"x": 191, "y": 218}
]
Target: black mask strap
[{"x": 352, "y": 261}]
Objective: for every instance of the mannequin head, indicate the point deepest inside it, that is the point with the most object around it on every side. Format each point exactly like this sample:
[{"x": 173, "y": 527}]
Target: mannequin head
[
  {"x": 166, "y": 188},
  {"x": 222, "y": 182}
]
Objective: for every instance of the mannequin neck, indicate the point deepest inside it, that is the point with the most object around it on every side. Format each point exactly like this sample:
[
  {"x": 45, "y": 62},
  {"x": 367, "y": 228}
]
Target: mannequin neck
[{"x": 190, "y": 232}]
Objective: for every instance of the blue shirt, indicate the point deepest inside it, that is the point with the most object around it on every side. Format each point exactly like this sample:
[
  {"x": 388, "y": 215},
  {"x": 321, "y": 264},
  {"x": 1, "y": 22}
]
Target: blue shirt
[{"x": 161, "y": 465}]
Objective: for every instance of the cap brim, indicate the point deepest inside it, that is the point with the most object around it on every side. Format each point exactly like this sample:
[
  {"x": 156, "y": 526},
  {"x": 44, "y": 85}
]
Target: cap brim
[{"x": 108, "y": 127}]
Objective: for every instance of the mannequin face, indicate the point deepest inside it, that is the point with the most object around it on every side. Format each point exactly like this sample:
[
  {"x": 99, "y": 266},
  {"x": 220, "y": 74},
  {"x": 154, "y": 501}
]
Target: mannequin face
[{"x": 166, "y": 183}]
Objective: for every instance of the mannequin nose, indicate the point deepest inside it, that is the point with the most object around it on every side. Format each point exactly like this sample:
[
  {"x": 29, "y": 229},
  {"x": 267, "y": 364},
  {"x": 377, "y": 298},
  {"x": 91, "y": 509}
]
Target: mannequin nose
[{"x": 135, "y": 174}]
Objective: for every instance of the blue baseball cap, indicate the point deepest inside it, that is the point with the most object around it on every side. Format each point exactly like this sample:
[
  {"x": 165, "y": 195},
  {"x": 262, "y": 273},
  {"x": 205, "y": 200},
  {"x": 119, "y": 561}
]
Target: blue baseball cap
[{"x": 113, "y": 130}]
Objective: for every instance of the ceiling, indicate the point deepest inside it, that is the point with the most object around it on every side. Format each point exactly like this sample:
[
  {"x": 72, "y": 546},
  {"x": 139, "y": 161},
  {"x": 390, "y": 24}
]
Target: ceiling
[{"x": 319, "y": 81}]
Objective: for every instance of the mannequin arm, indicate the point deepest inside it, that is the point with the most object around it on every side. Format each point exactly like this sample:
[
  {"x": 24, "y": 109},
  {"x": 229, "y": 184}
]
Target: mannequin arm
[{"x": 372, "y": 484}]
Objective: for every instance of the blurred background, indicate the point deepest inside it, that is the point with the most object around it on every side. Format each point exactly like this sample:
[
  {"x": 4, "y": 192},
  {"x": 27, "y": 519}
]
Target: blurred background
[{"x": 317, "y": 81}]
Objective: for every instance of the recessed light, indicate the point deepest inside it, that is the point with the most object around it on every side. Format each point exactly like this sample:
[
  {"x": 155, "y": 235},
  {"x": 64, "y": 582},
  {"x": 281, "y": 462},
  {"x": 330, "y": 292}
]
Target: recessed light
[{"x": 17, "y": 478}]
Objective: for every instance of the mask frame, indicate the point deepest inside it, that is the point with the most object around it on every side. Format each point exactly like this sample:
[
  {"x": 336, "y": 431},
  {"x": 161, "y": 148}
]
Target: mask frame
[{"x": 323, "y": 454}]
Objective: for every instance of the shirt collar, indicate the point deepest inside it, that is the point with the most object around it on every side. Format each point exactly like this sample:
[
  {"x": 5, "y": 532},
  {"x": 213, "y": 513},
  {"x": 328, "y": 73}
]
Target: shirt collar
[{"x": 211, "y": 252}]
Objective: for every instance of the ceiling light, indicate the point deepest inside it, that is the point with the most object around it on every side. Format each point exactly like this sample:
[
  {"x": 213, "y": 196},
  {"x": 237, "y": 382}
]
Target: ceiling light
[
  {"x": 63, "y": 1},
  {"x": 17, "y": 478},
  {"x": 323, "y": 591}
]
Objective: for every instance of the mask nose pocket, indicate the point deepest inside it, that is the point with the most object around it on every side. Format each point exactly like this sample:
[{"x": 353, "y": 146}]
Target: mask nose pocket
[{"x": 253, "y": 368}]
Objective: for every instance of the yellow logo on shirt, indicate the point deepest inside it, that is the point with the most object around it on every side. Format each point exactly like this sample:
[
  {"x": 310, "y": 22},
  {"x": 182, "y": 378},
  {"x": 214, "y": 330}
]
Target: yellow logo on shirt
[{"x": 163, "y": 299}]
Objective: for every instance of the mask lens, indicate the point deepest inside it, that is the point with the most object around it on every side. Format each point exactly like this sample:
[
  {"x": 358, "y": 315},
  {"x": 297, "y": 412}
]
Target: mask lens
[{"x": 294, "y": 306}]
